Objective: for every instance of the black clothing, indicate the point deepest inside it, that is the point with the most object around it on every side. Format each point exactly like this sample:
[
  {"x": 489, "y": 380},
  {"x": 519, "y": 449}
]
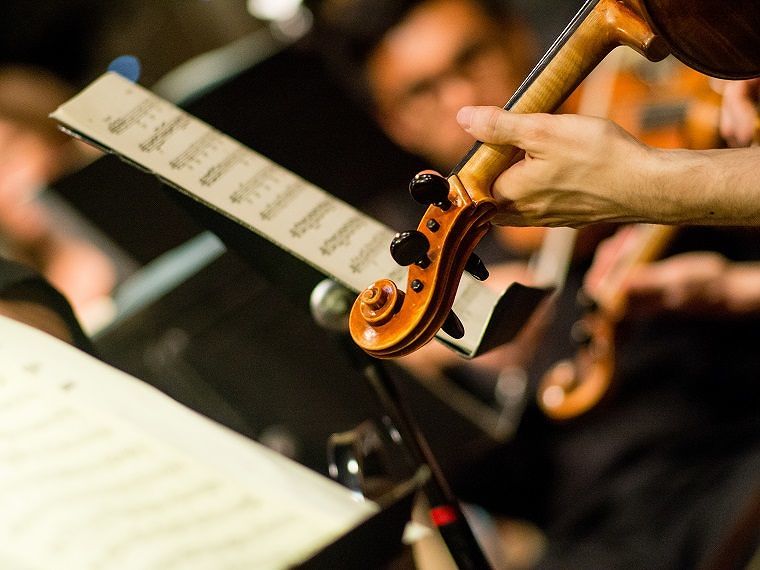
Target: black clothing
[
  {"x": 20, "y": 283},
  {"x": 659, "y": 473},
  {"x": 56, "y": 35}
]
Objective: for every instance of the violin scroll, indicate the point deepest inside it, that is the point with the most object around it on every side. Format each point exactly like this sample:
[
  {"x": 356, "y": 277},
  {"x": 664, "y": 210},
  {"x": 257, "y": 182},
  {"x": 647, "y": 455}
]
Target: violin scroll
[
  {"x": 573, "y": 387},
  {"x": 379, "y": 302},
  {"x": 387, "y": 322}
]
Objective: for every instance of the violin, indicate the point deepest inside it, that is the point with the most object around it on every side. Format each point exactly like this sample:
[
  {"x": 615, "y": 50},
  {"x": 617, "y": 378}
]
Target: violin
[
  {"x": 677, "y": 109},
  {"x": 573, "y": 387},
  {"x": 707, "y": 35}
]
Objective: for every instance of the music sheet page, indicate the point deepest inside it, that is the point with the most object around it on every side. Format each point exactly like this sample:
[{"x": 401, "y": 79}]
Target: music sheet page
[
  {"x": 101, "y": 471},
  {"x": 337, "y": 239}
]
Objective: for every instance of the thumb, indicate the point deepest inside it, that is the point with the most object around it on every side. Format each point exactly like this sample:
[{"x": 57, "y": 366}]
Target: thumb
[{"x": 494, "y": 125}]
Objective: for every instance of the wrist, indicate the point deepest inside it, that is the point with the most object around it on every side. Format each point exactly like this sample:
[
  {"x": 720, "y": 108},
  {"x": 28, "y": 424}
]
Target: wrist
[
  {"x": 740, "y": 288},
  {"x": 676, "y": 176},
  {"x": 707, "y": 187}
]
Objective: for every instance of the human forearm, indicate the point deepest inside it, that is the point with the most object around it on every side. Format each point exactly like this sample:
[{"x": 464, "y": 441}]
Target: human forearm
[
  {"x": 691, "y": 283},
  {"x": 581, "y": 170},
  {"x": 741, "y": 293},
  {"x": 717, "y": 187}
]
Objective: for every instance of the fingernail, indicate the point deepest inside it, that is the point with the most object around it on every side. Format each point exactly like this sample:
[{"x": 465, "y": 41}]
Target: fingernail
[{"x": 464, "y": 117}]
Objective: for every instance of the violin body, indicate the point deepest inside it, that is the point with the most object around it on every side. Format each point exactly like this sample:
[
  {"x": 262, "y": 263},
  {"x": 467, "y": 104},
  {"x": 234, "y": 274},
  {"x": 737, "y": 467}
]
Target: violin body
[
  {"x": 387, "y": 322},
  {"x": 714, "y": 37}
]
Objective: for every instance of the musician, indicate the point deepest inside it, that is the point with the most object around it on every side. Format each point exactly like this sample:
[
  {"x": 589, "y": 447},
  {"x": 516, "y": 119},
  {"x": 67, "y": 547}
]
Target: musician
[
  {"x": 643, "y": 481},
  {"x": 413, "y": 64},
  {"x": 48, "y": 50},
  {"x": 582, "y": 170},
  {"x": 28, "y": 298},
  {"x": 591, "y": 157},
  {"x": 33, "y": 153}
]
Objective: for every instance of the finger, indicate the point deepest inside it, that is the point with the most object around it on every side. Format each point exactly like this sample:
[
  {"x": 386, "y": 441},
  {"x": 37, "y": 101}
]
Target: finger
[
  {"x": 680, "y": 280},
  {"x": 649, "y": 289},
  {"x": 744, "y": 121},
  {"x": 726, "y": 126},
  {"x": 497, "y": 126},
  {"x": 609, "y": 254},
  {"x": 738, "y": 114},
  {"x": 514, "y": 183},
  {"x": 647, "y": 279}
]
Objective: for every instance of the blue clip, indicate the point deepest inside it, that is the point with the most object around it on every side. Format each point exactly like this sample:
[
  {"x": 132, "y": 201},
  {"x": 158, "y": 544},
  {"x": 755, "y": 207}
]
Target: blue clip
[{"x": 128, "y": 66}]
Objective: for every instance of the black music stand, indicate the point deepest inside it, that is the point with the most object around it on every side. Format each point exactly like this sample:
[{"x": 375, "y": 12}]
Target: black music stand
[
  {"x": 330, "y": 306},
  {"x": 375, "y": 543}
]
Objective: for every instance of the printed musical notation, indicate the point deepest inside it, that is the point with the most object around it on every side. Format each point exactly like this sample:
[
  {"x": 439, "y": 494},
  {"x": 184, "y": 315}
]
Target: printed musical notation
[
  {"x": 197, "y": 159},
  {"x": 98, "y": 470}
]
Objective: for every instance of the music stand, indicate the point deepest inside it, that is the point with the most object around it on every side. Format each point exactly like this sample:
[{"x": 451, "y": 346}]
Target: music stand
[{"x": 330, "y": 306}]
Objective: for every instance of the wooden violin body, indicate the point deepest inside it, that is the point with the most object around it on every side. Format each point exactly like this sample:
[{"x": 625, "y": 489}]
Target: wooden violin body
[
  {"x": 387, "y": 322},
  {"x": 714, "y": 37}
]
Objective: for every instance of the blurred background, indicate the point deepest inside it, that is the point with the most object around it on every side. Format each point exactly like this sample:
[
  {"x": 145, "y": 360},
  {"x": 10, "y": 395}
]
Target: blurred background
[
  {"x": 135, "y": 262},
  {"x": 220, "y": 319}
]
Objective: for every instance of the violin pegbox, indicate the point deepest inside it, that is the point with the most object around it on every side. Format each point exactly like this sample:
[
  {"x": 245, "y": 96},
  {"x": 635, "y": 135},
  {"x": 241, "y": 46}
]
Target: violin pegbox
[
  {"x": 431, "y": 189},
  {"x": 386, "y": 322}
]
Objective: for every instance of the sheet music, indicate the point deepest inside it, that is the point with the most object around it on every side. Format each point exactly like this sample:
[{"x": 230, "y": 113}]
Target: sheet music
[
  {"x": 215, "y": 169},
  {"x": 101, "y": 471}
]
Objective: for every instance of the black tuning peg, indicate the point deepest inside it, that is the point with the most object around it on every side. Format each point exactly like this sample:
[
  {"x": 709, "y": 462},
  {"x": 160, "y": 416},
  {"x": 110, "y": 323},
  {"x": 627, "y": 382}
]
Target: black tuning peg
[
  {"x": 476, "y": 268},
  {"x": 580, "y": 334},
  {"x": 585, "y": 301},
  {"x": 430, "y": 188},
  {"x": 452, "y": 326},
  {"x": 410, "y": 247}
]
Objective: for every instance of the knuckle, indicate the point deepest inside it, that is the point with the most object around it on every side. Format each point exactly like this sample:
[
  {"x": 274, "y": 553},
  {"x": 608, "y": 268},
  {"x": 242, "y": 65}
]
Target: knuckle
[
  {"x": 494, "y": 124},
  {"x": 536, "y": 128}
]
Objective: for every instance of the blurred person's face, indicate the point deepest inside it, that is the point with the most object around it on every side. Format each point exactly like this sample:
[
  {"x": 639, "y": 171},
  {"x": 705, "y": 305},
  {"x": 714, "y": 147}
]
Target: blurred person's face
[{"x": 444, "y": 55}]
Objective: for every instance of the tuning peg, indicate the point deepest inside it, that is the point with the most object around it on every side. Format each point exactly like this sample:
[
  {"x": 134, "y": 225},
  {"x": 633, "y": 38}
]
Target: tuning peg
[
  {"x": 453, "y": 326},
  {"x": 476, "y": 268},
  {"x": 580, "y": 334},
  {"x": 585, "y": 301},
  {"x": 430, "y": 188},
  {"x": 410, "y": 247}
]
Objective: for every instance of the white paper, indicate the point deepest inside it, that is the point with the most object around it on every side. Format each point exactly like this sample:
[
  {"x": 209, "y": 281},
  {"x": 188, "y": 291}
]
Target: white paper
[
  {"x": 100, "y": 471},
  {"x": 332, "y": 236}
]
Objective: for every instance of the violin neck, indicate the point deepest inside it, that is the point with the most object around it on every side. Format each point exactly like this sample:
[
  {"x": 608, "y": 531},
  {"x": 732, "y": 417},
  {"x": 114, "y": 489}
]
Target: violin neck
[
  {"x": 599, "y": 27},
  {"x": 641, "y": 244}
]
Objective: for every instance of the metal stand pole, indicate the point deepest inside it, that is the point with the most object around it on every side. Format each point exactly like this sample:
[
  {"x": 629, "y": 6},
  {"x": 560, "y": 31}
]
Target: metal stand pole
[{"x": 330, "y": 305}]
